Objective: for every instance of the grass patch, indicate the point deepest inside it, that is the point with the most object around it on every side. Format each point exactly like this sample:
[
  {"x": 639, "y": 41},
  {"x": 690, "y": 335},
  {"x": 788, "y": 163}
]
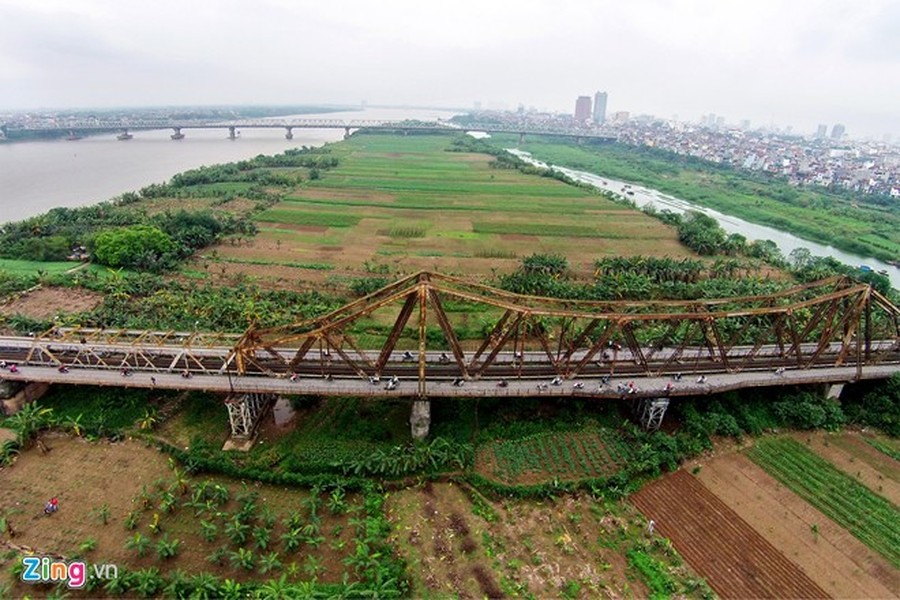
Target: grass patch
[
  {"x": 34, "y": 267},
  {"x": 494, "y": 253},
  {"x": 317, "y": 219},
  {"x": 871, "y": 518},
  {"x": 542, "y": 229},
  {"x": 404, "y": 232},
  {"x": 279, "y": 263}
]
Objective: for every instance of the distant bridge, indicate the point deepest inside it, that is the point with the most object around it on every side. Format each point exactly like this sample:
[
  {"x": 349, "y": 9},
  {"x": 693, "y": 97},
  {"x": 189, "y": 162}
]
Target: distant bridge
[
  {"x": 829, "y": 332},
  {"x": 77, "y": 128}
]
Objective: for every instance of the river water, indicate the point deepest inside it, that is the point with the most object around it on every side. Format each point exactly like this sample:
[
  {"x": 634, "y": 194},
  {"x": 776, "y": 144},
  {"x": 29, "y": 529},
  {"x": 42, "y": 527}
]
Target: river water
[
  {"x": 37, "y": 176},
  {"x": 786, "y": 242}
]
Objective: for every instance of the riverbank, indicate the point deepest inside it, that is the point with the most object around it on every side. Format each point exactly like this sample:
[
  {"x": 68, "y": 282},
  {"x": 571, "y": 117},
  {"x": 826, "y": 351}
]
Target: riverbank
[{"x": 852, "y": 226}]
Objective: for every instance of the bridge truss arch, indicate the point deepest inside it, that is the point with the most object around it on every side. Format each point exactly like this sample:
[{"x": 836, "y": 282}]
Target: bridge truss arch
[{"x": 830, "y": 323}]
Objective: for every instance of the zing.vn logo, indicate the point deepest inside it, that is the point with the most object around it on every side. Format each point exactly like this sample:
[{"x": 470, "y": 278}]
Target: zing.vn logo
[{"x": 43, "y": 570}]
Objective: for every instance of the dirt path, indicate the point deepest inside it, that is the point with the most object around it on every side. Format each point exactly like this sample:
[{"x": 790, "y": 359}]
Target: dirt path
[
  {"x": 832, "y": 557},
  {"x": 736, "y": 561}
]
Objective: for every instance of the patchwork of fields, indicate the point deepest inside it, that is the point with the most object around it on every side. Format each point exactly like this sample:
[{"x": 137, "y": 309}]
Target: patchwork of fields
[
  {"x": 815, "y": 518},
  {"x": 404, "y": 203}
]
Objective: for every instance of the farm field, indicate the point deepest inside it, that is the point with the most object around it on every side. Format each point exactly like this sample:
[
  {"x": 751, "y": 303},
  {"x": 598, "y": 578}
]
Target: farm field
[
  {"x": 404, "y": 203},
  {"x": 567, "y": 547},
  {"x": 592, "y": 452},
  {"x": 838, "y": 562},
  {"x": 736, "y": 560},
  {"x": 851, "y": 453},
  {"x": 870, "y": 517},
  {"x": 125, "y": 503}
]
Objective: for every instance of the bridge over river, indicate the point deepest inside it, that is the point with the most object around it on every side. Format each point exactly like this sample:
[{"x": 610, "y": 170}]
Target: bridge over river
[
  {"x": 828, "y": 332},
  {"x": 77, "y": 128}
]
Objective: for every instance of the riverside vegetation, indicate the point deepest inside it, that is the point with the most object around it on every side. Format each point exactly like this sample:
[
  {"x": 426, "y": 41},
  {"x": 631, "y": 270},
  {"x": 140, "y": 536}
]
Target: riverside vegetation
[
  {"x": 858, "y": 223},
  {"x": 352, "y": 496}
]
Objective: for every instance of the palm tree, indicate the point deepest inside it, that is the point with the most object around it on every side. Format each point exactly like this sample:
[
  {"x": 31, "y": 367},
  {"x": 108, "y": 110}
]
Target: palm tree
[
  {"x": 28, "y": 421},
  {"x": 313, "y": 567},
  {"x": 139, "y": 543},
  {"x": 292, "y": 539},
  {"x": 269, "y": 562},
  {"x": 231, "y": 590},
  {"x": 74, "y": 425},
  {"x": 274, "y": 589},
  {"x": 147, "y": 582},
  {"x": 205, "y": 587}
]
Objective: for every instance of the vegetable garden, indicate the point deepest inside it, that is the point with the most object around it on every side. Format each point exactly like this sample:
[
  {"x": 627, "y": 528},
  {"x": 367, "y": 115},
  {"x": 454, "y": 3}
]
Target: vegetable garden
[{"x": 869, "y": 517}]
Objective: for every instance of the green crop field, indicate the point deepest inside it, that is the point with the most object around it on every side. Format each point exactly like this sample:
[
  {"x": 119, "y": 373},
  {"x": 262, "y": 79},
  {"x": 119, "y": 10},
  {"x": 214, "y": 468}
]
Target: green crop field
[
  {"x": 593, "y": 452},
  {"x": 406, "y": 203},
  {"x": 871, "y": 518}
]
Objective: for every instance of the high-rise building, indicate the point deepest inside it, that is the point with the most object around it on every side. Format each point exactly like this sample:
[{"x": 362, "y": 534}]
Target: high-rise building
[
  {"x": 599, "y": 107},
  {"x": 837, "y": 132},
  {"x": 583, "y": 109},
  {"x": 821, "y": 131}
]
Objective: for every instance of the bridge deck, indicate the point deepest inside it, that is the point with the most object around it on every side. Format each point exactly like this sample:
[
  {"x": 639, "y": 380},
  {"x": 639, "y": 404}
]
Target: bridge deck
[{"x": 645, "y": 387}]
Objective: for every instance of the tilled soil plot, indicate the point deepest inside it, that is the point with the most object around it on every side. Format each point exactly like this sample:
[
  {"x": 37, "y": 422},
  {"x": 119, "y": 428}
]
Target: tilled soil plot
[
  {"x": 825, "y": 551},
  {"x": 736, "y": 561}
]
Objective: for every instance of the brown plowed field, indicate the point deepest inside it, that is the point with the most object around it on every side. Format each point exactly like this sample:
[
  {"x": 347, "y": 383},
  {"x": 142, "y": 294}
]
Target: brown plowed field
[
  {"x": 736, "y": 561},
  {"x": 826, "y": 552}
]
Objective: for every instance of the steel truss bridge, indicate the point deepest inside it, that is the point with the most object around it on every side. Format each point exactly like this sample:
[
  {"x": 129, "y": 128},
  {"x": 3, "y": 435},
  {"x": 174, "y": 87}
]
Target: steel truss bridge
[
  {"x": 403, "y": 341},
  {"x": 92, "y": 126}
]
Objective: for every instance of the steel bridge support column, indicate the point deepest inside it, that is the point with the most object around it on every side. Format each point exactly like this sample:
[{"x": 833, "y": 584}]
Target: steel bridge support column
[
  {"x": 420, "y": 419},
  {"x": 521, "y": 138},
  {"x": 290, "y": 133},
  {"x": 346, "y": 133},
  {"x": 652, "y": 411},
  {"x": 232, "y": 134},
  {"x": 245, "y": 412},
  {"x": 177, "y": 135}
]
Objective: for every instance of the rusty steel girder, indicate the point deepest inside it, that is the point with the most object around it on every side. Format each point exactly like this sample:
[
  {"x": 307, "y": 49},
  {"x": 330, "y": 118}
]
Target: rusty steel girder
[{"x": 832, "y": 322}]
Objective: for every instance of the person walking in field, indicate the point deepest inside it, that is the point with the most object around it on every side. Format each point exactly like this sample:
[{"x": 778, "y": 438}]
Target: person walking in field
[
  {"x": 51, "y": 507},
  {"x": 650, "y": 526}
]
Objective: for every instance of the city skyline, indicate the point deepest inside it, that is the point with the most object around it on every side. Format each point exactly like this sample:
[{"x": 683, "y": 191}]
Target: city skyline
[{"x": 795, "y": 64}]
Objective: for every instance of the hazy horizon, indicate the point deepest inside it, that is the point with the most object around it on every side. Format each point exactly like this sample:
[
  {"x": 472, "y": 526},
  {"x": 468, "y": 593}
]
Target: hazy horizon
[{"x": 789, "y": 63}]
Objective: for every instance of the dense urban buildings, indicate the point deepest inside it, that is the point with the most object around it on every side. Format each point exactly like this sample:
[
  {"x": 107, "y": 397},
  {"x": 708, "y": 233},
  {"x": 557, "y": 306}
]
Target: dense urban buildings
[
  {"x": 599, "y": 108},
  {"x": 583, "y": 109},
  {"x": 833, "y": 162}
]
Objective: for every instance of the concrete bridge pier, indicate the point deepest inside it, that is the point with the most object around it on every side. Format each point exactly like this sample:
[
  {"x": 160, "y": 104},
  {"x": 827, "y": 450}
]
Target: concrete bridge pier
[
  {"x": 521, "y": 137},
  {"x": 833, "y": 391},
  {"x": 290, "y": 133},
  {"x": 232, "y": 134},
  {"x": 346, "y": 133},
  {"x": 420, "y": 419},
  {"x": 177, "y": 135},
  {"x": 13, "y": 395}
]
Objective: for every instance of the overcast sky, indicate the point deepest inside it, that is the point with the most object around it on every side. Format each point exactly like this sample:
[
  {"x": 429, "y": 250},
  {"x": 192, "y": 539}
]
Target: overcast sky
[{"x": 797, "y": 62}]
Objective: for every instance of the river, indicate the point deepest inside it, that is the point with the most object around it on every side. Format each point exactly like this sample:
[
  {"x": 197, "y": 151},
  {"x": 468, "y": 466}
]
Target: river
[
  {"x": 786, "y": 242},
  {"x": 40, "y": 175}
]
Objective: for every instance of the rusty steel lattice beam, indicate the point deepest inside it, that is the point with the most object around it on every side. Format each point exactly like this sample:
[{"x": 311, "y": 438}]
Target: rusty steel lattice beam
[
  {"x": 834, "y": 322},
  {"x": 801, "y": 327}
]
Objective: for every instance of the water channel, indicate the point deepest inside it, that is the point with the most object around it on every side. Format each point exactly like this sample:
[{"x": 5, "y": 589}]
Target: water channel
[{"x": 786, "y": 242}]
